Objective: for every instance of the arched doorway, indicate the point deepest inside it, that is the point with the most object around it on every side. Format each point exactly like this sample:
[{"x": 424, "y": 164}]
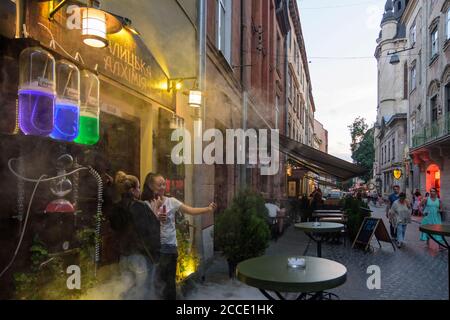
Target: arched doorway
[{"x": 434, "y": 178}]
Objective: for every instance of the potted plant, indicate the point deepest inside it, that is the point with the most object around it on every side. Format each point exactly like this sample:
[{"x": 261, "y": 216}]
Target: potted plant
[
  {"x": 242, "y": 231},
  {"x": 356, "y": 211}
]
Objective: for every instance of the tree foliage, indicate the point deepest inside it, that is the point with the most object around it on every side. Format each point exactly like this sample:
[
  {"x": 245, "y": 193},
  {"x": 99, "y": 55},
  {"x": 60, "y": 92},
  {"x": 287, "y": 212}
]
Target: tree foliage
[
  {"x": 363, "y": 150},
  {"x": 358, "y": 130}
]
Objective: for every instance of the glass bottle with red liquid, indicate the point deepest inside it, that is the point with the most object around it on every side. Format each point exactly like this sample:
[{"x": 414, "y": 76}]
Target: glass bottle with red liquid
[
  {"x": 67, "y": 106},
  {"x": 37, "y": 91}
]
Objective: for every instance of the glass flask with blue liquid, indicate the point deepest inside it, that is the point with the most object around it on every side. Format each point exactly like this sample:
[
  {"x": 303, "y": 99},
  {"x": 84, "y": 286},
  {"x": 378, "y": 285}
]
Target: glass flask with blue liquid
[
  {"x": 67, "y": 105},
  {"x": 37, "y": 91},
  {"x": 89, "y": 109}
]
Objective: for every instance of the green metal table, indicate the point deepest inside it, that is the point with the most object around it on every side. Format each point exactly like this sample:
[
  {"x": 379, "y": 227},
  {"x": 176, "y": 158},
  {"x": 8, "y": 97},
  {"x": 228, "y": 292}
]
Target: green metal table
[
  {"x": 312, "y": 228},
  {"x": 439, "y": 230},
  {"x": 272, "y": 273}
]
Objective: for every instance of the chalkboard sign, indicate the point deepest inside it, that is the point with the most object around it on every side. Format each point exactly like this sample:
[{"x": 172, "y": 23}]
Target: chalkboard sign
[{"x": 369, "y": 228}]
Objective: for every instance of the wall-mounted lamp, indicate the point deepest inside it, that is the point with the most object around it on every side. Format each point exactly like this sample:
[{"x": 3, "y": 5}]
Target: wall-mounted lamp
[
  {"x": 395, "y": 58},
  {"x": 195, "y": 98},
  {"x": 195, "y": 94},
  {"x": 96, "y": 24}
]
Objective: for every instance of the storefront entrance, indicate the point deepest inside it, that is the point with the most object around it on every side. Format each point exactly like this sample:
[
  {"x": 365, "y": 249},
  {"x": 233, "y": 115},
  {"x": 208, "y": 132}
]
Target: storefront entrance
[{"x": 434, "y": 178}]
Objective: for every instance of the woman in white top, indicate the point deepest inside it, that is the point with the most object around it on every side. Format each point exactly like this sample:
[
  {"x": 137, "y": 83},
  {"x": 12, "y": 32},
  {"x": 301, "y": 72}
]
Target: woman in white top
[{"x": 166, "y": 209}]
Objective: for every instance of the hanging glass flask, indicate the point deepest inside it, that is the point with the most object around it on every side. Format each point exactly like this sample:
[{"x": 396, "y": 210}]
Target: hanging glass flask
[
  {"x": 89, "y": 133},
  {"x": 67, "y": 105},
  {"x": 36, "y": 91}
]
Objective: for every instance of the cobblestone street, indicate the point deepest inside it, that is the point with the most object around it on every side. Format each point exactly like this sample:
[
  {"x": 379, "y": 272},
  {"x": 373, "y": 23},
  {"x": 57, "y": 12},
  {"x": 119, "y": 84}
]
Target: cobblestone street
[{"x": 413, "y": 272}]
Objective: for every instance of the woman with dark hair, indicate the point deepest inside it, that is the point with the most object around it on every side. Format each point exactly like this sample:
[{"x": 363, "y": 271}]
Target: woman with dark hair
[
  {"x": 137, "y": 229},
  {"x": 166, "y": 208},
  {"x": 432, "y": 206}
]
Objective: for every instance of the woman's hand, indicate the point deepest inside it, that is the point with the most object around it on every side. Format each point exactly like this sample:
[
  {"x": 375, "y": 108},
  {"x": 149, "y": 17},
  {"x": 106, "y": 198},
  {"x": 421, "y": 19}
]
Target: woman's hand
[
  {"x": 213, "y": 207},
  {"x": 156, "y": 205}
]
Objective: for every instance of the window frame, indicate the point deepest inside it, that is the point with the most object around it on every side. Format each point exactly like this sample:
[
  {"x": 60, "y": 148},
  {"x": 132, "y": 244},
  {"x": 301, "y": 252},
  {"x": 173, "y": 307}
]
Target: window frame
[
  {"x": 413, "y": 78},
  {"x": 224, "y": 28},
  {"x": 434, "y": 50},
  {"x": 413, "y": 34}
]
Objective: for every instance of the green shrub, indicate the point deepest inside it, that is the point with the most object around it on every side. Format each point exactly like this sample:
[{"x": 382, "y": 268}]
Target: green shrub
[
  {"x": 242, "y": 231},
  {"x": 356, "y": 216}
]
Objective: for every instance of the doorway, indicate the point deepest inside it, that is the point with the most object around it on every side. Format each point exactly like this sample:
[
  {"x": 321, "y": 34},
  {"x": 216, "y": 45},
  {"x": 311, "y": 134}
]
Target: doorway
[{"x": 434, "y": 178}]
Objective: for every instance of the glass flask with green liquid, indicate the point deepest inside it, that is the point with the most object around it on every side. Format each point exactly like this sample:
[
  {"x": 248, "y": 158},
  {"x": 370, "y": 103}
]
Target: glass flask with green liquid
[{"x": 89, "y": 132}]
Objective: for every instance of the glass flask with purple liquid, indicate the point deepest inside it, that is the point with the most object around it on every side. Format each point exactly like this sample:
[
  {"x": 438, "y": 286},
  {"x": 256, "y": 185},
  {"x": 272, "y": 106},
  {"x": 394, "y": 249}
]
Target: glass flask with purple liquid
[
  {"x": 36, "y": 91},
  {"x": 67, "y": 106}
]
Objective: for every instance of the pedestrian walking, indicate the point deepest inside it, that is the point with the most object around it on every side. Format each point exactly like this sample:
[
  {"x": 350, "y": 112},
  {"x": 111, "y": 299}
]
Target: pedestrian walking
[
  {"x": 417, "y": 200},
  {"x": 392, "y": 198},
  {"x": 432, "y": 207},
  {"x": 400, "y": 217}
]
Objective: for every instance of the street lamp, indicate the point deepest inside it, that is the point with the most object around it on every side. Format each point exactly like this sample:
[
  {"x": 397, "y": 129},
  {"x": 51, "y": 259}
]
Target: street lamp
[
  {"x": 395, "y": 58},
  {"x": 195, "y": 94},
  {"x": 195, "y": 98}
]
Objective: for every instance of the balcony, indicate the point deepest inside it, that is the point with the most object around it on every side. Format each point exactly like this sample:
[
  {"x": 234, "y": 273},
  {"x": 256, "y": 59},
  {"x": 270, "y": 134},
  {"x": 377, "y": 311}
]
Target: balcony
[{"x": 432, "y": 132}]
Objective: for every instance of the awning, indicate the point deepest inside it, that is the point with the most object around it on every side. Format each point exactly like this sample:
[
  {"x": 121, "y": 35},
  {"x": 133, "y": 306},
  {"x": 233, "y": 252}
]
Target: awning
[{"x": 318, "y": 161}]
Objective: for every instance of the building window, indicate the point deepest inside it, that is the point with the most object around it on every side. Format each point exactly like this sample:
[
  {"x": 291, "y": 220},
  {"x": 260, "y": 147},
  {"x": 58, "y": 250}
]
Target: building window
[
  {"x": 413, "y": 127},
  {"x": 413, "y": 35},
  {"x": 413, "y": 77},
  {"x": 278, "y": 52},
  {"x": 434, "y": 42},
  {"x": 277, "y": 111},
  {"x": 434, "y": 109},
  {"x": 405, "y": 81},
  {"x": 393, "y": 149},
  {"x": 447, "y": 98},
  {"x": 448, "y": 23},
  {"x": 223, "y": 27},
  {"x": 290, "y": 125},
  {"x": 389, "y": 152},
  {"x": 289, "y": 86}
]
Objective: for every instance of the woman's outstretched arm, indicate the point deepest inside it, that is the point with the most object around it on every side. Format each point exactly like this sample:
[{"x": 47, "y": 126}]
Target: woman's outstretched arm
[{"x": 198, "y": 211}]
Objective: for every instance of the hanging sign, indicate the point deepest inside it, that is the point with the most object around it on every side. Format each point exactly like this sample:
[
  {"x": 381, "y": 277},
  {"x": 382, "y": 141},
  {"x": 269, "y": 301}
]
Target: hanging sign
[{"x": 398, "y": 174}]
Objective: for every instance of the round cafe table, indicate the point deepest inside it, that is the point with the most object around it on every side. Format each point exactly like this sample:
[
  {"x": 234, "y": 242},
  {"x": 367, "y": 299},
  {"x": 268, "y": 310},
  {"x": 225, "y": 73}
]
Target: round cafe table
[
  {"x": 272, "y": 273},
  {"x": 312, "y": 228},
  {"x": 442, "y": 230}
]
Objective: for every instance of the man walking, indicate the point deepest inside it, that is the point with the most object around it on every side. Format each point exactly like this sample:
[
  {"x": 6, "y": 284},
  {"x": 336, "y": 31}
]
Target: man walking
[{"x": 392, "y": 198}]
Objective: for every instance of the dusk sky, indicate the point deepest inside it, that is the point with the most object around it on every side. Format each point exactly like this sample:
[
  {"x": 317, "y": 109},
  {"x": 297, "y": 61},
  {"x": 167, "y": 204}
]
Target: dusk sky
[{"x": 340, "y": 41}]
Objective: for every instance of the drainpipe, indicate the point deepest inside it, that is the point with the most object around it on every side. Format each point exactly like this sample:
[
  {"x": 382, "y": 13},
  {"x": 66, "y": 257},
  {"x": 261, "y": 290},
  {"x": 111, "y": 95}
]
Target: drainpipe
[
  {"x": 20, "y": 18},
  {"x": 286, "y": 75},
  {"x": 200, "y": 114},
  {"x": 202, "y": 54},
  {"x": 286, "y": 103},
  {"x": 244, "y": 77}
]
